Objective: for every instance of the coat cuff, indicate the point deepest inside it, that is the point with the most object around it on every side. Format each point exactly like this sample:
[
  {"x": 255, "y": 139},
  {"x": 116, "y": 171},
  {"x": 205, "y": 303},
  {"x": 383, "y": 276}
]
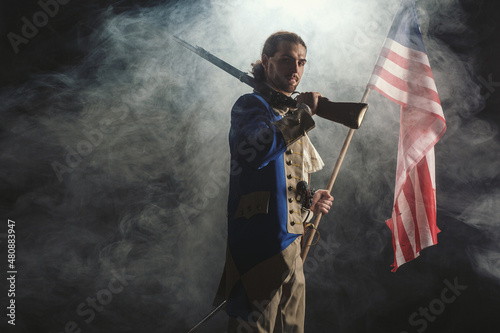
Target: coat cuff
[{"x": 295, "y": 124}]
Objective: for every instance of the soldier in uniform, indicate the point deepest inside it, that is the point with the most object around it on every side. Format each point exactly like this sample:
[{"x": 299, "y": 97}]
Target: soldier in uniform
[{"x": 263, "y": 280}]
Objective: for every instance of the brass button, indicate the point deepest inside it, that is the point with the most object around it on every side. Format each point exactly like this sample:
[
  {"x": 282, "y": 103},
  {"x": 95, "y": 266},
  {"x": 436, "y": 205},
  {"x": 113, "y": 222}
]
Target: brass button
[
  {"x": 289, "y": 162},
  {"x": 290, "y": 188},
  {"x": 289, "y": 176},
  {"x": 292, "y": 223},
  {"x": 290, "y": 200},
  {"x": 289, "y": 151},
  {"x": 291, "y": 211}
]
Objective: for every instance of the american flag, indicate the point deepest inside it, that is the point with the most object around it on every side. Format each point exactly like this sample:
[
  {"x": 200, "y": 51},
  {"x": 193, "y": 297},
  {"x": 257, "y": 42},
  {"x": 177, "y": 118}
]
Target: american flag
[{"x": 403, "y": 75}]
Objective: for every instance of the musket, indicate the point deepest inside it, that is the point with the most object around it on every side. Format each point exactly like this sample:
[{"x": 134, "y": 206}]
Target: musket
[{"x": 345, "y": 113}]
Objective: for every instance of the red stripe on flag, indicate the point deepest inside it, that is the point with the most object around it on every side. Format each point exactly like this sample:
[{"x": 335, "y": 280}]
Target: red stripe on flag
[
  {"x": 383, "y": 93},
  {"x": 409, "y": 87},
  {"x": 429, "y": 197},
  {"x": 409, "y": 196},
  {"x": 404, "y": 241},
  {"x": 390, "y": 224},
  {"x": 411, "y": 66}
]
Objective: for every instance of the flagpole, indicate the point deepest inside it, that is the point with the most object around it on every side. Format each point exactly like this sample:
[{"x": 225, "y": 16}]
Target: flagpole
[{"x": 333, "y": 177}]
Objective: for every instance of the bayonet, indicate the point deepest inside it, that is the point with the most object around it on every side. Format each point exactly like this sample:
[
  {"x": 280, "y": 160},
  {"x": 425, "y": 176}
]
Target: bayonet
[
  {"x": 240, "y": 75},
  {"x": 278, "y": 99}
]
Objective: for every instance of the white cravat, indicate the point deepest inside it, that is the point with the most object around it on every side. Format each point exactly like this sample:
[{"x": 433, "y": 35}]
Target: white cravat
[{"x": 312, "y": 160}]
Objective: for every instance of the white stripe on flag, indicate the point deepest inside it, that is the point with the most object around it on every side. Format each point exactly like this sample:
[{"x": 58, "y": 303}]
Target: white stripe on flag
[
  {"x": 406, "y": 52},
  {"x": 400, "y": 72},
  {"x": 406, "y": 98}
]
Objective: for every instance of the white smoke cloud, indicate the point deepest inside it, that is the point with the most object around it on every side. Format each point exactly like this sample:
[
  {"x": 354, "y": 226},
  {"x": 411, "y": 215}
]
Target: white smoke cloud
[{"x": 120, "y": 163}]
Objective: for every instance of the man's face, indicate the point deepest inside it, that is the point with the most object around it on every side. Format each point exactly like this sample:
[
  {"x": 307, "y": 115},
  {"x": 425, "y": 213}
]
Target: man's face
[{"x": 285, "y": 68}]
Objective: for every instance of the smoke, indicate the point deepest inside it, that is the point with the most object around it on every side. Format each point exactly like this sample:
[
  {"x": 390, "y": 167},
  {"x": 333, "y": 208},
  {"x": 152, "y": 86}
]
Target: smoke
[{"x": 116, "y": 166}]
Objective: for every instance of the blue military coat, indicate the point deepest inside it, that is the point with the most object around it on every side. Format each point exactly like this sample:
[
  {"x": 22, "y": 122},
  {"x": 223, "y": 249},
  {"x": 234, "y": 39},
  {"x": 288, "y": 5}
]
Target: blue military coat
[{"x": 264, "y": 215}]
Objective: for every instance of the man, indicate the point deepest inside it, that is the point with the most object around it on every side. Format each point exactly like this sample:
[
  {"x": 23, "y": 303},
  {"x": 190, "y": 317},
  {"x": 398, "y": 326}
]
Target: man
[{"x": 271, "y": 160}]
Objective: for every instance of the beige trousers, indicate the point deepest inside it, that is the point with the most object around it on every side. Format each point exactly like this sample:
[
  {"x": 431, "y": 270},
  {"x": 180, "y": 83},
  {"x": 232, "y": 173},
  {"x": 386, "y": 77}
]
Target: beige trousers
[{"x": 284, "y": 313}]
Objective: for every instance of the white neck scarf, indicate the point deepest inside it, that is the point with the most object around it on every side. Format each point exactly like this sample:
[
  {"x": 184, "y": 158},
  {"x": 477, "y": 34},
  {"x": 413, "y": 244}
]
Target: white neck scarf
[{"x": 312, "y": 160}]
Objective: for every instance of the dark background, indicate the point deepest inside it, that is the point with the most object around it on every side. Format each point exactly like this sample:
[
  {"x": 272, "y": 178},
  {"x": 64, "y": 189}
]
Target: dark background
[{"x": 125, "y": 212}]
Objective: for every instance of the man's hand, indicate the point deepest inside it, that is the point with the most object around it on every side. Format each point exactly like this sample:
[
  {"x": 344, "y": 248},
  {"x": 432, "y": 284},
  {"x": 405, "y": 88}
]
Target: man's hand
[
  {"x": 321, "y": 202},
  {"x": 311, "y": 99}
]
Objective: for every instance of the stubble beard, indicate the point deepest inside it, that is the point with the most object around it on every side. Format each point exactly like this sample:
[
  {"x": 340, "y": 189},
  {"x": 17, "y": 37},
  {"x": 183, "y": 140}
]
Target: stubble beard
[{"x": 282, "y": 84}]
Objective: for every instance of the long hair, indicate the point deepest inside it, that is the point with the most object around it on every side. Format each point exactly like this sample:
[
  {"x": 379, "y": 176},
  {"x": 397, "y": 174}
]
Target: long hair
[{"x": 271, "y": 47}]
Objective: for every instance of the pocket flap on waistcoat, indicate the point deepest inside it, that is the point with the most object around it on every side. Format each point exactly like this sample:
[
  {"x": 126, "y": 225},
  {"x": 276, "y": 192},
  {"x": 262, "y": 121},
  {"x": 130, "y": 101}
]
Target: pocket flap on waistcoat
[{"x": 253, "y": 203}]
